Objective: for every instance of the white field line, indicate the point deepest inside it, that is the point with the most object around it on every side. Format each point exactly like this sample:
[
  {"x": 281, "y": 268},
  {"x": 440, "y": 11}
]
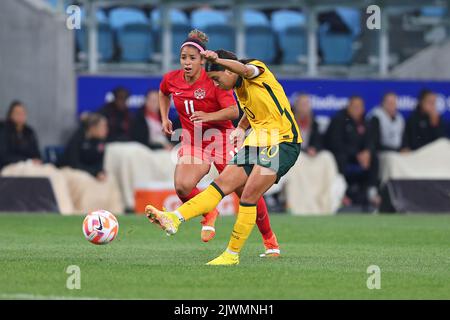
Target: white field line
[{"x": 29, "y": 296}]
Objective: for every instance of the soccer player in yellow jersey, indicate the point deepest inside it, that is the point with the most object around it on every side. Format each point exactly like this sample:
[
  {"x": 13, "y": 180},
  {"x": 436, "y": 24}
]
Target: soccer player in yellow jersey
[{"x": 268, "y": 152}]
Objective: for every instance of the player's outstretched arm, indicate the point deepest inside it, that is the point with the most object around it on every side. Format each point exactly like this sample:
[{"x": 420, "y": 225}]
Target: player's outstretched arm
[{"x": 246, "y": 71}]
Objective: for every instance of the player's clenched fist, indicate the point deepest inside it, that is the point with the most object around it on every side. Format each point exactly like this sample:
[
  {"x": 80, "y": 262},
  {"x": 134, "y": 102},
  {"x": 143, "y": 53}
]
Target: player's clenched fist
[
  {"x": 237, "y": 137},
  {"x": 210, "y": 55}
]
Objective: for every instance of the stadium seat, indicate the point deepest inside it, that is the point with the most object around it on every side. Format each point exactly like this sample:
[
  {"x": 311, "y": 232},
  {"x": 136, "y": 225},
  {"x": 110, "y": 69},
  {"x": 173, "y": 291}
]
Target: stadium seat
[
  {"x": 255, "y": 18},
  {"x": 202, "y": 18},
  {"x": 336, "y": 48},
  {"x": 105, "y": 41},
  {"x": 176, "y": 17},
  {"x": 220, "y": 37},
  {"x": 122, "y": 16},
  {"x": 135, "y": 42},
  {"x": 180, "y": 29},
  {"x": 289, "y": 26},
  {"x": 293, "y": 44},
  {"x": 179, "y": 34},
  {"x": 352, "y": 18},
  {"x": 283, "y": 19},
  {"x": 260, "y": 43}
]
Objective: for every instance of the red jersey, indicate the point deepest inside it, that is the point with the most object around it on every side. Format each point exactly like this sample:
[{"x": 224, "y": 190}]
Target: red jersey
[{"x": 202, "y": 95}]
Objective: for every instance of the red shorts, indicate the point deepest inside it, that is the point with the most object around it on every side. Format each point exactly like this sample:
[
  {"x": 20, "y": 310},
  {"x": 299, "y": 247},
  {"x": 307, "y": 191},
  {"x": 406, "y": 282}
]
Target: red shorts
[{"x": 219, "y": 157}]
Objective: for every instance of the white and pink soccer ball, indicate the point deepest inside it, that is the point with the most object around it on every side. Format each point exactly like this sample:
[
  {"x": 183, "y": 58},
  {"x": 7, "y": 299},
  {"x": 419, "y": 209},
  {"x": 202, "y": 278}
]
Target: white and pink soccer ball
[{"x": 100, "y": 227}]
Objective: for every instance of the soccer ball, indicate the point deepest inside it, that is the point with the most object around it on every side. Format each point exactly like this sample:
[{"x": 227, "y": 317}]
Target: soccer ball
[{"x": 100, "y": 227}]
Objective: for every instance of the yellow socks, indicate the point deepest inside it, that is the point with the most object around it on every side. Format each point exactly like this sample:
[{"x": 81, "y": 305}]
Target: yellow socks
[
  {"x": 202, "y": 203},
  {"x": 245, "y": 222}
]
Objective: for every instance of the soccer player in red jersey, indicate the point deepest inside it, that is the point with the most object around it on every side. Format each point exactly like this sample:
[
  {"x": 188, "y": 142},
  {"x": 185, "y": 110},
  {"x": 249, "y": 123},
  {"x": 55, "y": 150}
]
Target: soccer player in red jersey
[{"x": 203, "y": 107}]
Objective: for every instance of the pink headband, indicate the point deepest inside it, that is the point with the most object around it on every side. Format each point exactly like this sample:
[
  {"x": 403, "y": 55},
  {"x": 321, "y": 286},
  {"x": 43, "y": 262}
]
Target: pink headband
[{"x": 191, "y": 43}]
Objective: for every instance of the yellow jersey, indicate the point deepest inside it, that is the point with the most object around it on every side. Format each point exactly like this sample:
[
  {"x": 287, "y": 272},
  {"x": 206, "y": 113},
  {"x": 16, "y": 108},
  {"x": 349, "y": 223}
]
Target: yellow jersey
[{"x": 267, "y": 109}]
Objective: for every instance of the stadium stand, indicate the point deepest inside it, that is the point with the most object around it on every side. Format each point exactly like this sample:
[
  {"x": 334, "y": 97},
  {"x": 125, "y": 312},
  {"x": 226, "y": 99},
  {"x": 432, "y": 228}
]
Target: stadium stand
[
  {"x": 336, "y": 47},
  {"x": 202, "y": 18},
  {"x": 352, "y": 18},
  {"x": 105, "y": 40},
  {"x": 215, "y": 23},
  {"x": 289, "y": 26},
  {"x": 120, "y": 17},
  {"x": 260, "y": 39},
  {"x": 180, "y": 25},
  {"x": 260, "y": 43},
  {"x": 135, "y": 42},
  {"x": 255, "y": 18}
]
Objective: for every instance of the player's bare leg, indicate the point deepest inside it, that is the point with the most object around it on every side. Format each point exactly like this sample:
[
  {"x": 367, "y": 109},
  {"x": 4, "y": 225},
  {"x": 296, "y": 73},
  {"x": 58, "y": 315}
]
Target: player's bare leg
[{"x": 188, "y": 173}]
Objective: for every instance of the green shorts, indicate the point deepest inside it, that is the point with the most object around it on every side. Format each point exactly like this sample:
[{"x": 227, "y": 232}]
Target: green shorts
[{"x": 280, "y": 158}]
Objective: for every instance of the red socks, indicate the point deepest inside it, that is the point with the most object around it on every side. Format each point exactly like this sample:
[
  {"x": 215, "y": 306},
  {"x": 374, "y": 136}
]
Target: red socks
[{"x": 262, "y": 219}]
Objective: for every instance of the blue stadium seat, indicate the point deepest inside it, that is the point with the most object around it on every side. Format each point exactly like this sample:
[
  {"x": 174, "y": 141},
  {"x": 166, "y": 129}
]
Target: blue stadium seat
[
  {"x": 290, "y": 28},
  {"x": 352, "y": 18},
  {"x": 176, "y": 17},
  {"x": 260, "y": 43},
  {"x": 202, "y": 18},
  {"x": 180, "y": 29},
  {"x": 293, "y": 44},
  {"x": 121, "y": 16},
  {"x": 135, "y": 42},
  {"x": 179, "y": 34},
  {"x": 99, "y": 14},
  {"x": 283, "y": 19},
  {"x": 336, "y": 48},
  {"x": 255, "y": 18},
  {"x": 220, "y": 37},
  {"x": 105, "y": 41}
]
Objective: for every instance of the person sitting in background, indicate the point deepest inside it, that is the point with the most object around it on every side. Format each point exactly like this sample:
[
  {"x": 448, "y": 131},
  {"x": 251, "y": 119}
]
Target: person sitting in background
[
  {"x": 86, "y": 148},
  {"x": 387, "y": 124},
  {"x": 118, "y": 116},
  {"x": 147, "y": 126},
  {"x": 424, "y": 125},
  {"x": 308, "y": 125},
  {"x": 348, "y": 139},
  {"x": 325, "y": 194},
  {"x": 18, "y": 140}
]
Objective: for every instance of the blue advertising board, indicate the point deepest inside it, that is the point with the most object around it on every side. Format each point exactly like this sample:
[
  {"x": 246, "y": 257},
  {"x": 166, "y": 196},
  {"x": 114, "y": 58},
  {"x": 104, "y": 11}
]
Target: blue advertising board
[{"x": 327, "y": 96}]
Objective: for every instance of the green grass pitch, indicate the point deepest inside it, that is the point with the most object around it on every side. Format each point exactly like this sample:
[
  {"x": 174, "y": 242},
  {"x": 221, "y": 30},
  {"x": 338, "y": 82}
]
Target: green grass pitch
[{"x": 323, "y": 258}]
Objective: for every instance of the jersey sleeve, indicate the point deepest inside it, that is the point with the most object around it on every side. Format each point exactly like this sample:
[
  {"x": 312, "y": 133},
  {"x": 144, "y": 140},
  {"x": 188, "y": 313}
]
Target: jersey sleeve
[
  {"x": 164, "y": 86},
  {"x": 262, "y": 75},
  {"x": 225, "y": 98}
]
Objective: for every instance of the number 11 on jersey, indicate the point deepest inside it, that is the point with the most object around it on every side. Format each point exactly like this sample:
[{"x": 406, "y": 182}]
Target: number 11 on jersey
[{"x": 189, "y": 105}]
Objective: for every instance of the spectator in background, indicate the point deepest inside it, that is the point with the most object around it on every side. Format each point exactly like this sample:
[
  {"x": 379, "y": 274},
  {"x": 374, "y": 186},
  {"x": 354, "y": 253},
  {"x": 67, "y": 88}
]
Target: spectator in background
[
  {"x": 424, "y": 125},
  {"x": 387, "y": 124},
  {"x": 86, "y": 148},
  {"x": 147, "y": 127},
  {"x": 308, "y": 125},
  {"x": 18, "y": 141},
  {"x": 348, "y": 139},
  {"x": 118, "y": 116}
]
